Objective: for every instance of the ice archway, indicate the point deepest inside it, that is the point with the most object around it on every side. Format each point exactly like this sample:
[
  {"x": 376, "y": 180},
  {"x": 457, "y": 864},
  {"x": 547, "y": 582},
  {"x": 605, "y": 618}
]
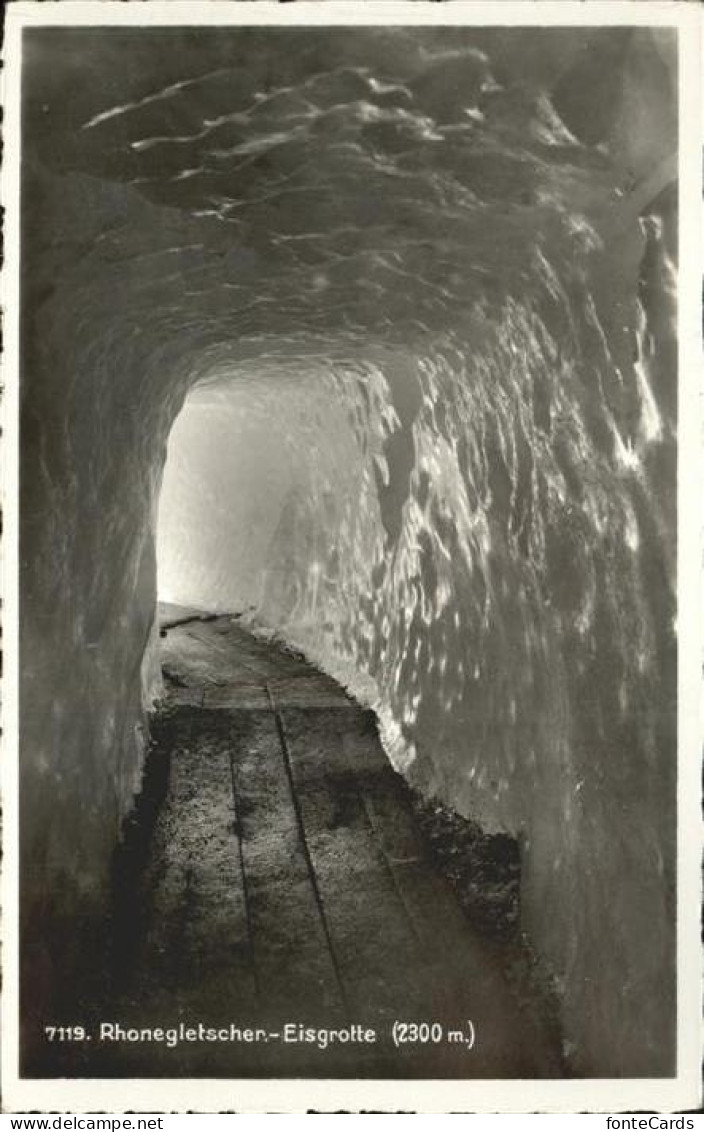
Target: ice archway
[{"x": 419, "y": 342}]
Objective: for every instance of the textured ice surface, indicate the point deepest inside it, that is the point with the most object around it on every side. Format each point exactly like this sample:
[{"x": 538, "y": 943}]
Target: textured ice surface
[{"x": 431, "y": 442}]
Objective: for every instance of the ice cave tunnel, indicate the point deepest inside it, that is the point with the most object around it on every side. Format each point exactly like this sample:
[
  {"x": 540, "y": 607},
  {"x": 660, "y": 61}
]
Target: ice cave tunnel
[{"x": 393, "y": 304}]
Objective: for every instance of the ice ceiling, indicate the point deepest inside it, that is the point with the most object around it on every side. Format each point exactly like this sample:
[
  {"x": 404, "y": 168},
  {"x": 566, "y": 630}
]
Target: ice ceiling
[{"x": 430, "y": 440}]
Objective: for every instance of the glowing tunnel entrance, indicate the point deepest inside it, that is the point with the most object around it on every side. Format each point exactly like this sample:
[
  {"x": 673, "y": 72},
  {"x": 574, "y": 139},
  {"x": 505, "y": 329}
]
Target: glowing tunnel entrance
[{"x": 227, "y": 477}]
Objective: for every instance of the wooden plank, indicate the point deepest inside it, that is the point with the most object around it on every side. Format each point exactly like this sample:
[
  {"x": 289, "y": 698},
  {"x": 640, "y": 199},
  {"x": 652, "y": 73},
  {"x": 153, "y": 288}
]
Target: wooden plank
[
  {"x": 227, "y": 663},
  {"x": 295, "y": 969},
  {"x": 238, "y": 696},
  {"x": 374, "y": 943},
  {"x": 168, "y": 613},
  {"x": 312, "y": 690},
  {"x": 189, "y": 661},
  {"x": 235, "y": 651},
  {"x": 176, "y": 696},
  {"x": 197, "y": 948},
  {"x": 466, "y": 970}
]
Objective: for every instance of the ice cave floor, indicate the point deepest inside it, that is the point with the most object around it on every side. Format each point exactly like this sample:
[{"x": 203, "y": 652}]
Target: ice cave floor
[{"x": 275, "y": 873}]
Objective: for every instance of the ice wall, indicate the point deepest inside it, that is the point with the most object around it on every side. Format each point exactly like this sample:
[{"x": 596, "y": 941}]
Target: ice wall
[{"x": 434, "y": 352}]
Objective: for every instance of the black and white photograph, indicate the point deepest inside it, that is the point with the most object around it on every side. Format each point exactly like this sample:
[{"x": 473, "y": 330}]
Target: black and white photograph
[{"x": 351, "y": 569}]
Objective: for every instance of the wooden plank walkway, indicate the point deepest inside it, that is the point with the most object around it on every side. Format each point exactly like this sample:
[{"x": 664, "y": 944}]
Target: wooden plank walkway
[{"x": 287, "y": 882}]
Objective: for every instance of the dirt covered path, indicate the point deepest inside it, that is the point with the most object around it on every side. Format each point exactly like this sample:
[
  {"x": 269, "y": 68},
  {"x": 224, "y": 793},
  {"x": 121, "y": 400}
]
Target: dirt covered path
[{"x": 275, "y": 891}]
